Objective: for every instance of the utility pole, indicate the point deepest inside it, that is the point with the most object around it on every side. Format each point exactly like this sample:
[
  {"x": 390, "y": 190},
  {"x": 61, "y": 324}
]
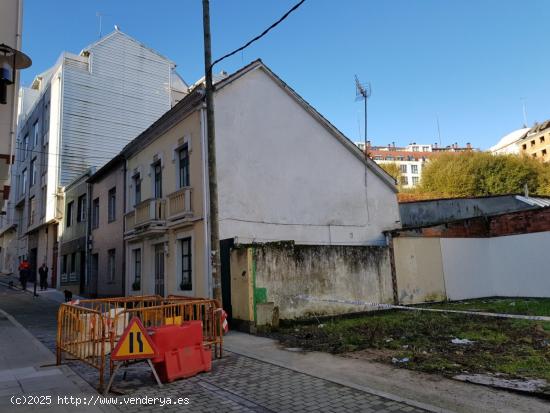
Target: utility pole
[{"x": 212, "y": 175}]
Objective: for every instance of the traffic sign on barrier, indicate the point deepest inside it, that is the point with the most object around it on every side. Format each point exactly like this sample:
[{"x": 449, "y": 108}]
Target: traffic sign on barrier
[{"x": 134, "y": 343}]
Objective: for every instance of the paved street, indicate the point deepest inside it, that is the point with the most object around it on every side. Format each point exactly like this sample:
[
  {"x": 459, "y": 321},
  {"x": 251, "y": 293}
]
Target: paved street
[{"x": 235, "y": 384}]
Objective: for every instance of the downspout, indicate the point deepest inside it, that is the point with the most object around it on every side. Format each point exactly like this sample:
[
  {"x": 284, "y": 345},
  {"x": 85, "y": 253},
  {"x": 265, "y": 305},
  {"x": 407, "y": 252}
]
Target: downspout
[
  {"x": 57, "y": 180},
  {"x": 389, "y": 241},
  {"x": 124, "y": 275},
  {"x": 88, "y": 245},
  {"x": 205, "y": 203}
]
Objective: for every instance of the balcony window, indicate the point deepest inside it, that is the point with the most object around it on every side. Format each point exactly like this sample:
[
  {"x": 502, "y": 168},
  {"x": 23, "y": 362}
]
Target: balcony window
[
  {"x": 32, "y": 211},
  {"x": 414, "y": 169},
  {"x": 23, "y": 189},
  {"x": 95, "y": 213},
  {"x": 137, "y": 189},
  {"x": 81, "y": 211},
  {"x": 36, "y": 134},
  {"x": 404, "y": 180},
  {"x": 403, "y": 168},
  {"x": 157, "y": 172},
  {"x": 415, "y": 180},
  {"x": 112, "y": 205},
  {"x": 69, "y": 218},
  {"x": 183, "y": 157},
  {"x": 24, "y": 147},
  {"x": 33, "y": 172}
]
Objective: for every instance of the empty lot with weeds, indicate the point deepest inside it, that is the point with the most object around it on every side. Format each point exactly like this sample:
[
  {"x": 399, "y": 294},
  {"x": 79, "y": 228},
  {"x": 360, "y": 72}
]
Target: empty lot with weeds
[{"x": 424, "y": 340}]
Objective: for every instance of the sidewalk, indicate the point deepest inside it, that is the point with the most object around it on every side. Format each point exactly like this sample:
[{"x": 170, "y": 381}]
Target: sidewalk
[
  {"x": 27, "y": 369},
  {"x": 430, "y": 392}
]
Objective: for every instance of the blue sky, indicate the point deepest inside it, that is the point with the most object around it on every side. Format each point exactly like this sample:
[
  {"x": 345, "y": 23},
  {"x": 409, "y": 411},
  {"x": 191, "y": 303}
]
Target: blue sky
[{"x": 469, "y": 62}]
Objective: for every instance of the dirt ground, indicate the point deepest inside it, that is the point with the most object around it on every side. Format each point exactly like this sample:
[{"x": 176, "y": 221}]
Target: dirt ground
[{"x": 515, "y": 349}]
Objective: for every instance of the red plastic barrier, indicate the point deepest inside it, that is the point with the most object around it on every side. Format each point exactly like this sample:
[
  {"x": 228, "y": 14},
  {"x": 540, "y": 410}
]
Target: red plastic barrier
[{"x": 181, "y": 352}]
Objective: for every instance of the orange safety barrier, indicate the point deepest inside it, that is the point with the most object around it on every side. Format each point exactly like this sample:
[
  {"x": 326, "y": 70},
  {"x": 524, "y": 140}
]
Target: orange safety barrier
[{"x": 89, "y": 330}]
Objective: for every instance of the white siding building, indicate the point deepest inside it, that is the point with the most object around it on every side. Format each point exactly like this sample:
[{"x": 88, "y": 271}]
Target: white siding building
[{"x": 75, "y": 116}]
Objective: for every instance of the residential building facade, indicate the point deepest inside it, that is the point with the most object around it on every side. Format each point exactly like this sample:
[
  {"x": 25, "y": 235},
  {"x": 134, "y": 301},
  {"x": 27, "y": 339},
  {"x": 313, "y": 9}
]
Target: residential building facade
[
  {"x": 536, "y": 142},
  {"x": 165, "y": 230},
  {"x": 76, "y": 115},
  {"x": 73, "y": 236},
  {"x": 272, "y": 186},
  {"x": 106, "y": 261}
]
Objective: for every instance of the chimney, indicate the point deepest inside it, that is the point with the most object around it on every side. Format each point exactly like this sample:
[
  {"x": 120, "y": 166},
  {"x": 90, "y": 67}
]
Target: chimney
[
  {"x": 393, "y": 144},
  {"x": 435, "y": 145},
  {"x": 368, "y": 144},
  {"x": 468, "y": 145}
]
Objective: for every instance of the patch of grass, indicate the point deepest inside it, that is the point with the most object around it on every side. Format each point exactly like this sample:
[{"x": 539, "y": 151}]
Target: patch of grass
[
  {"x": 524, "y": 306},
  {"x": 517, "y": 348}
]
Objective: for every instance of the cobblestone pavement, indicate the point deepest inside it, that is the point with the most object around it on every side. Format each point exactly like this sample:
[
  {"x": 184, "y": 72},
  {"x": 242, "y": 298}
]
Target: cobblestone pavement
[{"x": 235, "y": 384}]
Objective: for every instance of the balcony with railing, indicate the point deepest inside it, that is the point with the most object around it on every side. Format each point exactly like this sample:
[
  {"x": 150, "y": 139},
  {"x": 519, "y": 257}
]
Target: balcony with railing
[
  {"x": 150, "y": 212},
  {"x": 179, "y": 203}
]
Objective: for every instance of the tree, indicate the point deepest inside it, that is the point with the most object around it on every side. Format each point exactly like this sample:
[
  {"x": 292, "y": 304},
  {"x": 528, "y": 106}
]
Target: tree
[
  {"x": 481, "y": 173},
  {"x": 392, "y": 169}
]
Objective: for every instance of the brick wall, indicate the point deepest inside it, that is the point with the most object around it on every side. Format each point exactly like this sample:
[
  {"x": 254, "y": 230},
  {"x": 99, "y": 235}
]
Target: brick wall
[{"x": 521, "y": 222}]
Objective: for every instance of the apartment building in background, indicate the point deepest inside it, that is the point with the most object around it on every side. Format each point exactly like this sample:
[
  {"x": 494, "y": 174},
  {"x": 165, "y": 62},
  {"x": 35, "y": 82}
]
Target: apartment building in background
[
  {"x": 75, "y": 116},
  {"x": 509, "y": 144},
  {"x": 410, "y": 159},
  {"x": 536, "y": 142}
]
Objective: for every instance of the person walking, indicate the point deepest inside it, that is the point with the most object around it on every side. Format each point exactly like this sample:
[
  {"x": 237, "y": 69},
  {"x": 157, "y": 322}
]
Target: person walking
[
  {"x": 43, "y": 272},
  {"x": 24, "y": 269}
]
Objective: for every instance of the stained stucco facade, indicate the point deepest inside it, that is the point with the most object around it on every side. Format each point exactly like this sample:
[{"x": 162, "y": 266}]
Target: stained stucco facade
[{"x": 106, "y": 260}]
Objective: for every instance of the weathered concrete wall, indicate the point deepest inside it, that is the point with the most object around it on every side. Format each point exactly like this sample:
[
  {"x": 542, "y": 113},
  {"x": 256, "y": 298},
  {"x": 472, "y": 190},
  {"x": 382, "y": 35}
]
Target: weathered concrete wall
[
  {"x": 438, "y": 211},
  {"x": 297, "y": 278},
  {"x": 419, "y": 270}
]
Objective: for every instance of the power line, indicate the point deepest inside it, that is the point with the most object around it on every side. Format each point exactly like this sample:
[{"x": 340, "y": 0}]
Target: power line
[
  {"x": 260, "y": 35},
  {"x": 79, "y": 157}
]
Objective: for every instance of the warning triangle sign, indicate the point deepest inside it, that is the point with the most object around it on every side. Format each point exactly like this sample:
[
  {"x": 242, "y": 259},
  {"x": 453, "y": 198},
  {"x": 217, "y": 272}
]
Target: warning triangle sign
[{"x": 135, "y": 343}]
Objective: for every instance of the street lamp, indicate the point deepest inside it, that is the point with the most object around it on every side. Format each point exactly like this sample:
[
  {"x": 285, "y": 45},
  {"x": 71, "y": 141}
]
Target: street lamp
[{"x": 10, "y": 61}]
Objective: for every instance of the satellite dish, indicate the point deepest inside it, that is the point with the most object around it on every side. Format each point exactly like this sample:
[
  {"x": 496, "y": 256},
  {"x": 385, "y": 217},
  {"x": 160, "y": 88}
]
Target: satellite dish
[{"x": 117, "y": 28}]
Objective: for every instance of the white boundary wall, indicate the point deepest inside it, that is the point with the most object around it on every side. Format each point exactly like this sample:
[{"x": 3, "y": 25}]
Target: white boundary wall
[{"x": 513, "y": 266}]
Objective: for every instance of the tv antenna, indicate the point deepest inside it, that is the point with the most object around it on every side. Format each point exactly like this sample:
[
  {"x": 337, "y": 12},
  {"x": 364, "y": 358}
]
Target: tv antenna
[
  {"x": 524, "y": 113},
  {"x": 363, "y": 92},
  {"x": 100, "y": 16}
]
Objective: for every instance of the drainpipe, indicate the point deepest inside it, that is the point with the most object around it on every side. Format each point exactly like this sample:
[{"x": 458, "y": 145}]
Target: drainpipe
[
  {"x": 88, "y": 245},
  {"x": 389, "y": 241},
  {"x": 124, "y": 275}
]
